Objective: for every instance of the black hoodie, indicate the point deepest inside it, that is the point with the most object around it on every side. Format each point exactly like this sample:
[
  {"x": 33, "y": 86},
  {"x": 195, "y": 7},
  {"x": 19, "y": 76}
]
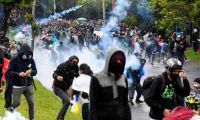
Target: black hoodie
[
  {"x": 17, "y": 65},
  {"x": 68, "y": 72},
  {"x": 161, "y": 94}
]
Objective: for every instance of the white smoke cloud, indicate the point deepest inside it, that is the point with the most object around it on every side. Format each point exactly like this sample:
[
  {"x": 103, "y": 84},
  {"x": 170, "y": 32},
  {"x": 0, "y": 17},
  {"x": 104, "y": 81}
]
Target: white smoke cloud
[
  {"x": 118, "y": 14},
  {"x": 89, "y": 56},
  {"x": 58, "y": 15},
  {"x": 12, "y": 116}
]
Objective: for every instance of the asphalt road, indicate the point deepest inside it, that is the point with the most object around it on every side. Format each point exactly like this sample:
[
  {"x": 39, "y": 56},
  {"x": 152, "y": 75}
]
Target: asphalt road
[{"x": 141, "y": 111}]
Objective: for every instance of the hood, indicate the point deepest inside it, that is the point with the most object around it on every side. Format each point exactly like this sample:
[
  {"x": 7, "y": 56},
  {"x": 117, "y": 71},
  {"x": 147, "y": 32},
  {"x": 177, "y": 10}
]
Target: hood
[
  {"x": 108, "y": 59},
  {"x": 25, "y": 48}
]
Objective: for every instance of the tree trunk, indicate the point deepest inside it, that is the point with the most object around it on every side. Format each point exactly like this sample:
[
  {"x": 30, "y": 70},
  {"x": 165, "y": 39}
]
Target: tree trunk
[
  {"x": 104, "y": 11},
  {"x": 4, "y": 26},
  {"x": 33, "y": 32}
]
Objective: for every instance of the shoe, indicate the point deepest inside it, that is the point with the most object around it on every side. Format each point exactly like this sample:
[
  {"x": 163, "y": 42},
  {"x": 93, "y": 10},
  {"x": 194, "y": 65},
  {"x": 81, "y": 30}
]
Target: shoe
[
  {"x": 131, "y": 102},
  {"x": 10, "y": 109},
  {"x": 59, "y": 118},
  {"x": 139, "y": 101}
]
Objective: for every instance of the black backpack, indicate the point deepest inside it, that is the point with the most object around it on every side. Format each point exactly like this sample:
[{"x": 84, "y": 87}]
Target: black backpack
[{"x": 148, "y": 82}]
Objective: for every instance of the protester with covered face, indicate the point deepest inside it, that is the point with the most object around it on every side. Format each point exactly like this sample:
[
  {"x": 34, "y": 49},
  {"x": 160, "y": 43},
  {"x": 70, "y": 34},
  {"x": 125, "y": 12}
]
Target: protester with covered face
[
  {"x": 180, "y": 48},
  {"x": 109, "y": 90},
  {"x": 160, "y": 94},
  {"x": 20, "y": 71},
  {"x": 195, "y": 43},
  {"x": 63, "y": 78}
]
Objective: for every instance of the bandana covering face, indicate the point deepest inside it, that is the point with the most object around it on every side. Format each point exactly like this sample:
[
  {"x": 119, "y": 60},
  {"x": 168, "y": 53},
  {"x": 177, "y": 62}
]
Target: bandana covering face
[{"x": 117, "y": 62}]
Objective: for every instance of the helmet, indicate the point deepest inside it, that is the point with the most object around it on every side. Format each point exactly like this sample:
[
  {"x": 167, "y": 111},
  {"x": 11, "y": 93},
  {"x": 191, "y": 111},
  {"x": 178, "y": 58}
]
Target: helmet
[{"x": 173, "y": 63}]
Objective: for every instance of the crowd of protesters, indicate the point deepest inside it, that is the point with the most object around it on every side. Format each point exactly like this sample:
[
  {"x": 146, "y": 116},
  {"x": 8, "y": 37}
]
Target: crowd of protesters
[{"x": 63, "y": 32}]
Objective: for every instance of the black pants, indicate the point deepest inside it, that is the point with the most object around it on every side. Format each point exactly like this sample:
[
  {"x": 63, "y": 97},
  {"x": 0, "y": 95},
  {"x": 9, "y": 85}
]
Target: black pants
[{"x": 85, "y": 111}]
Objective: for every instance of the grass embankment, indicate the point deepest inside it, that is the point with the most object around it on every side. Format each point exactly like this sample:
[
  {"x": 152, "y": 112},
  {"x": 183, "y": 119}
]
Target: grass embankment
[
  {"x": 47, "y": 105},
  {"x": 191, "y": 55}
]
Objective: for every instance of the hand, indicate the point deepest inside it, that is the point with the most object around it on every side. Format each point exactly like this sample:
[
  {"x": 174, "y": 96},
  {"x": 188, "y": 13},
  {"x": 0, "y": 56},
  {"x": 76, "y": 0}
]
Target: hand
[
  {"x": 166, "y": 112},
  {"x": 22, "y": 74},
  {"x": 60, "y": 78},
  {"x": 183, "y": 74},
  {"x": 28, "y": 71}
]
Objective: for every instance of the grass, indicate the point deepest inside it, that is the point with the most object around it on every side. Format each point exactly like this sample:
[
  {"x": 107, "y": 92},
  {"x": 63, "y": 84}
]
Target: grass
[
  {"x": 191, "y": 56},
  {"x": 47, "y": 105}
]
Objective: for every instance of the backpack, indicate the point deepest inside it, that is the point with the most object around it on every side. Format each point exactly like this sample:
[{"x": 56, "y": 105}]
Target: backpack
[{"x": 148, "y": 82}]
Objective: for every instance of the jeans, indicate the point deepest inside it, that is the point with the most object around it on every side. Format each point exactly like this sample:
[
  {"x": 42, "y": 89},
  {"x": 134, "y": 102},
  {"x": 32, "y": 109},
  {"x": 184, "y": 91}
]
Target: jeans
[
  {"x": 65, "y": 100},
  {"x": 131, "y": 90},
  {"x": 85, "y": 111},
  {"x": 28, "y": 93}
]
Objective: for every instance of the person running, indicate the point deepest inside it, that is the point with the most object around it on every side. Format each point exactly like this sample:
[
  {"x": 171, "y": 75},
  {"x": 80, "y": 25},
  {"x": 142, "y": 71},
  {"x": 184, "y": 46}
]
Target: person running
[
  {"x": 63, "y": 78},
  {"x": 21, "y": 70}
]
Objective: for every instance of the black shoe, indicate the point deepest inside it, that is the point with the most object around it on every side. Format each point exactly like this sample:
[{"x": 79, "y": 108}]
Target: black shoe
[
  {"x": 10, "y": 109},
  {"x": 139, "y": 101},
  {"x": 131, "y": 102}
]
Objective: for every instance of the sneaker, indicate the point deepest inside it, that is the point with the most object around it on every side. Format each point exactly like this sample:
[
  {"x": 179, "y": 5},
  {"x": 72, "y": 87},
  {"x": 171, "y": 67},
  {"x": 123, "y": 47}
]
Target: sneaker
[
  {"x": 10, "y": 109},
  {"x": 131, "y": 102},
  {"x": 59, "y": 118},
  {"x": 138, "y": 101}
]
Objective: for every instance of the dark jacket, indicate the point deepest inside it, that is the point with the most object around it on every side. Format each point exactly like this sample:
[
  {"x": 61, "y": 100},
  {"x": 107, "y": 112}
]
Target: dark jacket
[
  {"x": 108, "y": 97},
  {"x": 67, "y": 72},
  {"x": 159, "y": 97},
  {"x": 17, "y": 65}
]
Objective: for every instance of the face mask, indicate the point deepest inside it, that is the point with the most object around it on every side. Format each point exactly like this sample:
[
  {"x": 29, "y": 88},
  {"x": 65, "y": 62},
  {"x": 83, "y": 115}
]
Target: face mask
[
  {"x": 74, "y": 64},
  {"x": 116, "y": 65},
  {"x": 174, "y": 76}
]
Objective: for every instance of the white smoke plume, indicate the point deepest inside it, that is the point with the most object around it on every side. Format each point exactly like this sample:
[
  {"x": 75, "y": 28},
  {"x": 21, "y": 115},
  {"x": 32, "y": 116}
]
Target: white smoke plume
[
  {"x": 118, "y": 14},
  {"x": 58, "y": 15},
  {"x": 12, "y": 116},
  {"x": 46, "y": 67}
]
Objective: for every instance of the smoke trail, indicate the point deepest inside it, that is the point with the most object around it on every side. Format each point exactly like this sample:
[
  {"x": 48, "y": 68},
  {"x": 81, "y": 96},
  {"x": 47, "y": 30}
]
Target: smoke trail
[
  {"x": 143, "y": 9},
  {"x": 118, "y": 14},
  {"x": 12, "y": 116},
  {"x": 58, "y": 15}
]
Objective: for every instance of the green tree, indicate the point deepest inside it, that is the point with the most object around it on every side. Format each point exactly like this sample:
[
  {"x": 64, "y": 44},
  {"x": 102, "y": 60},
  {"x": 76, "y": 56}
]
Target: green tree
[
  {"x": 92, "y": 9},
  {"x": 169, "y": 12},
  {"x": 8, "y": 6},
  {"x": 195, "y": 13}
]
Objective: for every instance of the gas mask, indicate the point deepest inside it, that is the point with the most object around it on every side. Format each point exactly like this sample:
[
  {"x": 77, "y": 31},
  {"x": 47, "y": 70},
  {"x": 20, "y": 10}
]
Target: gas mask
[{"x": 27, "y": 55}]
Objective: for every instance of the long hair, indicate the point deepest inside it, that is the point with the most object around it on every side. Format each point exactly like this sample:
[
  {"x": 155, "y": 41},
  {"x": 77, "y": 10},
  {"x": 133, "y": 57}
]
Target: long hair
[{"x": 85, "y": 69}]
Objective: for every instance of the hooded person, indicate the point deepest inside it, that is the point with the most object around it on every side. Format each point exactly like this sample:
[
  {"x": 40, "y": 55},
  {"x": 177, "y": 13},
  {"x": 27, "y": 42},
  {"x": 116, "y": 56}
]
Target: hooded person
[
  {"x": 109, "y": 90},
  {"x": 63, "y": 78},
  {"x": 20, "y": 71},
  {"x": 167, "y": 90}
]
